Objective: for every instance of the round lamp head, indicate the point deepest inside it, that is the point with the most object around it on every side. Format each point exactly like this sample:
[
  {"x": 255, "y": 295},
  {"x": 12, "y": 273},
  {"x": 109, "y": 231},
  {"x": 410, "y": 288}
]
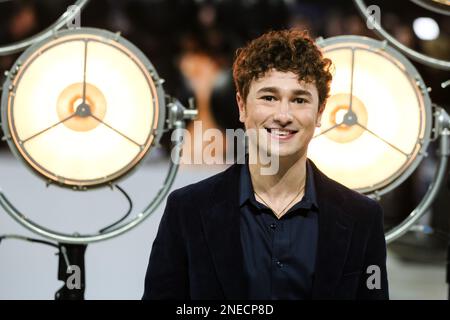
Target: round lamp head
[
  {"x": 82, "y": 108},
  {"x": 377, "y": 121}
]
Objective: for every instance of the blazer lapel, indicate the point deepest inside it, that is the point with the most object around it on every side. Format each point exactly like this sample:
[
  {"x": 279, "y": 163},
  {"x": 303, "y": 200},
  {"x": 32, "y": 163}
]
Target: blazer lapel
[
  {"x": 221, "y": 225},
  {"x": 335, "y": 230}
]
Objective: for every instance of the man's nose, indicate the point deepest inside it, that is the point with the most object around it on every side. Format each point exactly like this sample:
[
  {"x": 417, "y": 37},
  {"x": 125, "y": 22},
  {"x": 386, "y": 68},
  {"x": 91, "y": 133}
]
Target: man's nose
[{"x": 283, "y": 114}]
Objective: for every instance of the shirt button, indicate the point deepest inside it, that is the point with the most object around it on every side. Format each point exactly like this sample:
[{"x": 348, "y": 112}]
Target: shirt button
[{"x": 273, "y": 226}]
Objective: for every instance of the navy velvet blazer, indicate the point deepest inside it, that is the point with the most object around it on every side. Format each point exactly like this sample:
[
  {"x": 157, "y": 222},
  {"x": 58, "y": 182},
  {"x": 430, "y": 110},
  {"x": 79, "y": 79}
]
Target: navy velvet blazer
[{"x": 197, "y": 252}]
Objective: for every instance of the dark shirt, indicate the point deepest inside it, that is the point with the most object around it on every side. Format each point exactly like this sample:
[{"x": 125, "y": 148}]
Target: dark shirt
[{"x": 279, "y": 254}]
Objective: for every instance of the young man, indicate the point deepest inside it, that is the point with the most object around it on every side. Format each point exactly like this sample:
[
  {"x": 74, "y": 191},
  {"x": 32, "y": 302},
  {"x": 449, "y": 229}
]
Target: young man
[{"x": 293, "y": 234}]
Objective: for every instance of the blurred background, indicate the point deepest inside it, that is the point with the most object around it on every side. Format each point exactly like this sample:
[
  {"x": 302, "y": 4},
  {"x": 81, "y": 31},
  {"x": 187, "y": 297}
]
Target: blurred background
[{"x": 192, "y": 43}]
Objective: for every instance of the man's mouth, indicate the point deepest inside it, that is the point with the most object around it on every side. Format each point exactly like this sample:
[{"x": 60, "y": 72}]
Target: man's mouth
[{"x": 281, "y": 133}]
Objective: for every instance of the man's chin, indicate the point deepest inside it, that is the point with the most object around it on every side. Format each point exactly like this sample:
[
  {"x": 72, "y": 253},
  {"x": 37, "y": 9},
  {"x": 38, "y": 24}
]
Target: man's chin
[{"x": 283, "y": 153}]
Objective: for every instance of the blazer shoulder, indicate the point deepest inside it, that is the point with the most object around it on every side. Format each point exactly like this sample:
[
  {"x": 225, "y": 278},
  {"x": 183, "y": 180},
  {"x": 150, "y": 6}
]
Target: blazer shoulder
[
  {"x": 356, "y": 197},
  {"x": 202, "y": 188},
  {"x": 361, "y": 206},
  {"x": 356, "y": 204}
]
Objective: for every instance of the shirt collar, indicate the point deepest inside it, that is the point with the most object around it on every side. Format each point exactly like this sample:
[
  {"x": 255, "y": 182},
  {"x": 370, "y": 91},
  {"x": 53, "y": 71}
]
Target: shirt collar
[{"x": 246, "y": 187}]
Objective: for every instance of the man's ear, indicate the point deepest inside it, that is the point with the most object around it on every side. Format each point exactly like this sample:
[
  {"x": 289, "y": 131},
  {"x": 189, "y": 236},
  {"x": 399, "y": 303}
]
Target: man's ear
[
  {"x": 319, "y": 115},
  {"x": 241, "y": 105}
]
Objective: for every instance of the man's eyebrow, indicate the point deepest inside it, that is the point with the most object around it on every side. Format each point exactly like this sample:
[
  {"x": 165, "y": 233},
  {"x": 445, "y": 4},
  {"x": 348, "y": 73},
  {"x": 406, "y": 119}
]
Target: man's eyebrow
[
  {"x": 301, "y": 92},
  {"x": 298, "y": 92}
]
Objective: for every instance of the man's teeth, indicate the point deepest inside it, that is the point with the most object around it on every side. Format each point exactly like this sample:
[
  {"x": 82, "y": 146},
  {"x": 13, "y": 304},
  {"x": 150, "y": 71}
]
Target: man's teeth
[{"x": 280, "y": 132}]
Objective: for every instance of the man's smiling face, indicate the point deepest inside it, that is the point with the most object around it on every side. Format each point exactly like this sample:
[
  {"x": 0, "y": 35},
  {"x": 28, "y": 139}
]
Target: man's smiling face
[{"x": 284, "y": 109}]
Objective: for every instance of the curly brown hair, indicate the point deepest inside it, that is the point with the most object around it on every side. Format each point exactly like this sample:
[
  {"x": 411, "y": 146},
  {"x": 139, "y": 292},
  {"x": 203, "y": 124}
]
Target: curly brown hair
[{"x": 284, "y": 50}]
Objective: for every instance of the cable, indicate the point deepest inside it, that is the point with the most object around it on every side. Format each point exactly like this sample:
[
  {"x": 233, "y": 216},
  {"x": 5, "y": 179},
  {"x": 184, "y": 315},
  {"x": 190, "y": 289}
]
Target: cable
[
  {"x": 130, "y": 203},
  {"x": 18, "y": 237}
]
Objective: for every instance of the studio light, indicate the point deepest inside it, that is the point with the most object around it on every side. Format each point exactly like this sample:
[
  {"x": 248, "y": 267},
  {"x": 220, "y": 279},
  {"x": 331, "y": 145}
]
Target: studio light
[
  {"x": 82, "y": 109},
  {"x": 377, "y": 121}
]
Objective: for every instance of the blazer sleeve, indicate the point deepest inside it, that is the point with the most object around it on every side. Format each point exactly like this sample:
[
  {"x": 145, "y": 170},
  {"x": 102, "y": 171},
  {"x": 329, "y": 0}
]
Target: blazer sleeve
[
  {"x": 371, "y": 287},
  {"x": 167, "y": 272}
]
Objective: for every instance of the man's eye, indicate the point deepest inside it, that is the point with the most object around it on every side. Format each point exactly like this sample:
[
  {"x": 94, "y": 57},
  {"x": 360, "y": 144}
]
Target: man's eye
[
  {"x": 268, "y": 98},
  {"x": 300, "y": 100}
]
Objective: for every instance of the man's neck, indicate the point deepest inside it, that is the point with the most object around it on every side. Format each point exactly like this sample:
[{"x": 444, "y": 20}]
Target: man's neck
[{"x": 286, "y": 182}]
